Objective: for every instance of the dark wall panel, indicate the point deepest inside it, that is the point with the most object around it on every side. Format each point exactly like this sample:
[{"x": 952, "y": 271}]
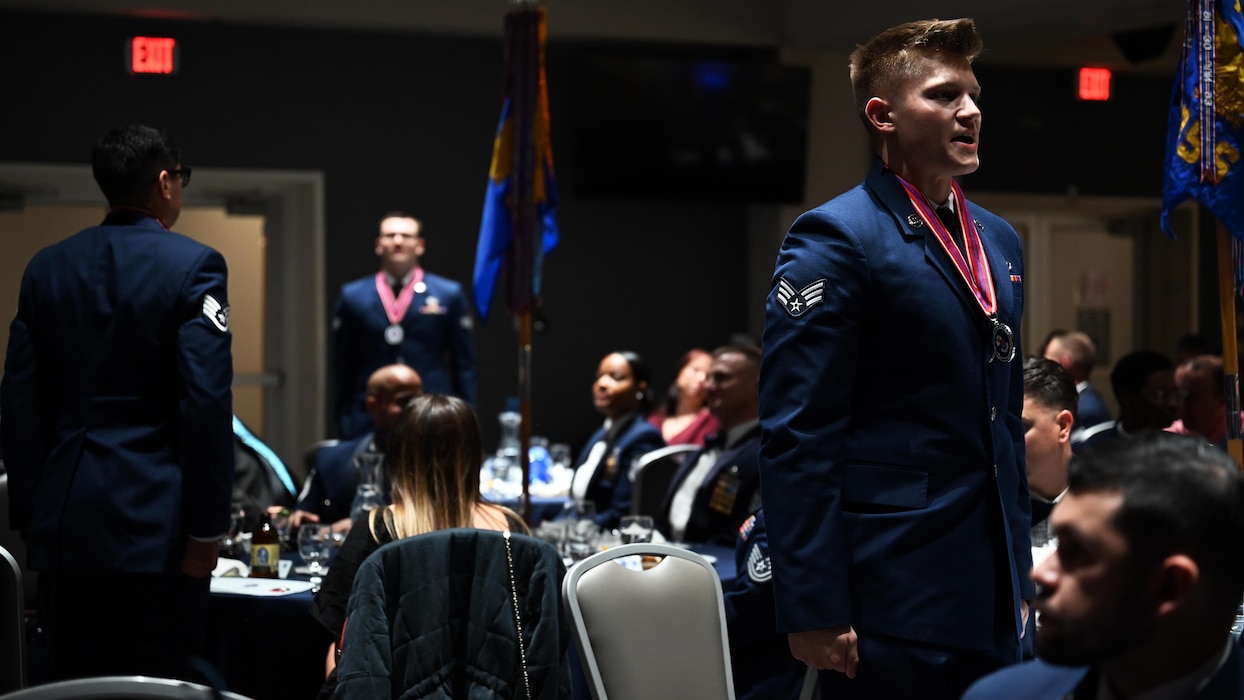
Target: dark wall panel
[{"x": 395, "y": 121}]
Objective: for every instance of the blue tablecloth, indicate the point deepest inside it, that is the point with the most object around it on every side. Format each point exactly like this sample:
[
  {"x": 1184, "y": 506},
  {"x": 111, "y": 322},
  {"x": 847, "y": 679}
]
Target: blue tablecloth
[{"x": 267, "y": 648}]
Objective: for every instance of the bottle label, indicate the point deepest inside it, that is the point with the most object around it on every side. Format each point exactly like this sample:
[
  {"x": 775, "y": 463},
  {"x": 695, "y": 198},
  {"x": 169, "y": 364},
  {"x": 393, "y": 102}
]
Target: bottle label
[{"x": 264, "y": 559}]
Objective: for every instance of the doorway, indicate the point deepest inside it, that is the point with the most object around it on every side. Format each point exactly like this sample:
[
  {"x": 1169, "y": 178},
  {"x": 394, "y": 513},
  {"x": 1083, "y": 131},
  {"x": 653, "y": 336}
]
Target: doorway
[{"x": 269, "y": 225}]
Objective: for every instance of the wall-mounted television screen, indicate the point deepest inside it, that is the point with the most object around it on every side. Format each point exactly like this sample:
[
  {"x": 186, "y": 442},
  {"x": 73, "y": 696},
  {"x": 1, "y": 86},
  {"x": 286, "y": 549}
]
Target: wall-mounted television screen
[{"x": 679, "y": 127}]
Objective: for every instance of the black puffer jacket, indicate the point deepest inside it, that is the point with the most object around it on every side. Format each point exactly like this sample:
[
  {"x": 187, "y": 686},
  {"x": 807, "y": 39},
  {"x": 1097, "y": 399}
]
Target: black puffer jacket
[{"x": 432, "y": 616}]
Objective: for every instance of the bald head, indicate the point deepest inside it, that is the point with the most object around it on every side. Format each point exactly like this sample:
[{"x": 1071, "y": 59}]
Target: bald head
[
  {"x": 388, "y": 391},
  {"x": 1075, "y": 351}
]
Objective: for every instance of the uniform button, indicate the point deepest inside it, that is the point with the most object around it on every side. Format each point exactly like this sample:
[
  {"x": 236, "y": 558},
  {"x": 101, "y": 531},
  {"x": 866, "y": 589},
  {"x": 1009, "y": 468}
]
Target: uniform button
[{"x": 993, "y": 413}]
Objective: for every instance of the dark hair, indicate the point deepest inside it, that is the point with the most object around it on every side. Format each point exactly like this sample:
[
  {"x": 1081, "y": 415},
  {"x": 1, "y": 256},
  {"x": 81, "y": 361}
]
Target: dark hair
[
  {"x": 1211, "y": 365},
  {"x": 1131, "y": 371},
  {"x": 128, "y": 160},
  {"x": 639, "y": 373},
  {"x": 670, "y": 402},
  {"x": 888, "y": 60},
  {"x": 1180, "y": 494},
  {"x": 751, "y": 352},
  {"x": 1047, "y": 383}
]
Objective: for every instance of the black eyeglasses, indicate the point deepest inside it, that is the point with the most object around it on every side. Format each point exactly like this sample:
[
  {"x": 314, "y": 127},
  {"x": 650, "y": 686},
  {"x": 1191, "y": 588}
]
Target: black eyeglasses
[{"x": 183, "y": 173}]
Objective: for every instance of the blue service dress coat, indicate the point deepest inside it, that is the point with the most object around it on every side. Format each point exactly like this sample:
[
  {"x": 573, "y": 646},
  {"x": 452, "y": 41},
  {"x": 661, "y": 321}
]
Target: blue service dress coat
[
  {"x": 759, "y": 657},
  {"x": 330, "y": 487},
  {"x": 438, "y": 342},
  {"x": 725, "y": 498},
  {"x": 627, "y": 439},
  {"x": 117, "y": 409},
  {"x": 1038, "y": 680},
  {"x": 1092, "y": 409},
  {"x": 892, "y": 455}
]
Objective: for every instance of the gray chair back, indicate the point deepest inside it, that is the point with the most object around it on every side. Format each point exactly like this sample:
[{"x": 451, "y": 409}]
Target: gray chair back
[
  {"x": 12, "y": 625},
  {"x": 12, "y": 541},
  {"x": 121, "y": 688},
  {"x": 653, "y": 473},
  {"x": 657, "y": 634}
]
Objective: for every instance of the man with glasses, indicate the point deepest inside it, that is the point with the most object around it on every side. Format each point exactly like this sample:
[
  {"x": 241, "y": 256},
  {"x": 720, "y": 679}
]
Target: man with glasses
[
  {"x": 117, "y": 425},
  {"x": 400, "y": 315}
]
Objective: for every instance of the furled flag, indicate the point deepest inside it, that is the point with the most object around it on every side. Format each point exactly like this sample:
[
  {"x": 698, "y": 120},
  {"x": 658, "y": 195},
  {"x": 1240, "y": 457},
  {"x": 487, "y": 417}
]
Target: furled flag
[
  {"x": 518, "y": 225},
  {"x": 1206, "y": 129}
]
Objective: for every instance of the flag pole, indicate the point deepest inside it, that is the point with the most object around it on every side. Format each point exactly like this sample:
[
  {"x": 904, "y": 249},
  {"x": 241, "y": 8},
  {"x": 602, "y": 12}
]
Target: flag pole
[{"x": 1230, "y": 351}]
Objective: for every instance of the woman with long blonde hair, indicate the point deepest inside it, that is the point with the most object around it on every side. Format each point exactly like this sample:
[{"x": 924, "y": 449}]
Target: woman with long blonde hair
[{"x": 434, "y": 459}]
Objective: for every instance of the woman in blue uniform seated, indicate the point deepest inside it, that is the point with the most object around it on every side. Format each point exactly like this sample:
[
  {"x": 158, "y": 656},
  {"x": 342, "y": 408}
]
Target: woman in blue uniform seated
[
  {"x": 436, "y": 453},
  {"x": 603, "y": 472}
]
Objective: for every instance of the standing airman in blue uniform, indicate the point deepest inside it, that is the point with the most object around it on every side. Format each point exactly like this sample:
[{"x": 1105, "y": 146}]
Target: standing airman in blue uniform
[
  {"x": 892, "y": 453},
  {"x": 400, "y": 315},
  {"x": 117, "y": 417}
]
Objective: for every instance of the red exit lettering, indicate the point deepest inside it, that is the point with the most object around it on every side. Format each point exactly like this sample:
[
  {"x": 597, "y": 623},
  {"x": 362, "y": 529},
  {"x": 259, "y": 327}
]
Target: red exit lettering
[
  {"x": 1095, "y": 84},
  {"x": 149, "y": 54}
]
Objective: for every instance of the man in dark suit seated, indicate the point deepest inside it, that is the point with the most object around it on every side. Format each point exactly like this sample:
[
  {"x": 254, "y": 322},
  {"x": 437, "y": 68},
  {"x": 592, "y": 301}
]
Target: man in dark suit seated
[
  {"x": 1141, "y": 594},
  {"x": 1143, "y": 382},
  {"x": 329, "y": 490},
  {"x": 260, "y": 479},
  {"x": 718, "y": 486}
]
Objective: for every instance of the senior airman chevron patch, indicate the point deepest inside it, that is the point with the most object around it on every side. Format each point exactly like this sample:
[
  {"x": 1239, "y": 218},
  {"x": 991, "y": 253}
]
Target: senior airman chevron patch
[
  {"x": 216, "y": 313},
  {"x": 798, "y": 302}
]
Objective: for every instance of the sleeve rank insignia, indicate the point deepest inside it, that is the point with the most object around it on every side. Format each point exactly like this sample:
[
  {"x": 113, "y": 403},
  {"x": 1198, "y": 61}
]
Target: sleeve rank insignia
[
  {"x": 798, "y": 302},
  {"x": 216, "y": 313}
]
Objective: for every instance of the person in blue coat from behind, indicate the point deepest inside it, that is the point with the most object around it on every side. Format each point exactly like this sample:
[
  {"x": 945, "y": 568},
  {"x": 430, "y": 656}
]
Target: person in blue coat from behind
[{"x": 117, "y": 415}]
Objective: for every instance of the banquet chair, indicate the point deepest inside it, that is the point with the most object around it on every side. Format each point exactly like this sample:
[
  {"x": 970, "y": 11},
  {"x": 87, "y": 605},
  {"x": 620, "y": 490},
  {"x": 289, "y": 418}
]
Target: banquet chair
[
  {"x": 12, "y": 541},
  {"x": 12, "y": 625},
  {"x": 497, "y": 629},
  {"x": 122, "y": 688},
  {"x": 653, "y": 473},
  {"x": 658, "y": 634}
]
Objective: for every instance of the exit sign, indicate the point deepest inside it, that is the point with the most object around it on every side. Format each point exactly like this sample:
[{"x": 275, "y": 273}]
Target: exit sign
[
  {"x": 151, "y": 54},
  {"x": 1094, "y": 84}
]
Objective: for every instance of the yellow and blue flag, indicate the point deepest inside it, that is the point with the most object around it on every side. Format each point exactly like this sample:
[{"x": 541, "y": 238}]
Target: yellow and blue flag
[
  {"x": 519, "y": 226},
  {"x": 1206, "y": 128}
]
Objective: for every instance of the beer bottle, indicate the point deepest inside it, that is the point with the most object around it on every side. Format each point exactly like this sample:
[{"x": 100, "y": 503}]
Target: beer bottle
[{"x": 265, "y": 550}]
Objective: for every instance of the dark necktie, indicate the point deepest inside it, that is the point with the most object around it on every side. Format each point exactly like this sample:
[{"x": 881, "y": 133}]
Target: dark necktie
[
  {"x": 397, "y": 289},
  {"x": 951, "y": 221}
]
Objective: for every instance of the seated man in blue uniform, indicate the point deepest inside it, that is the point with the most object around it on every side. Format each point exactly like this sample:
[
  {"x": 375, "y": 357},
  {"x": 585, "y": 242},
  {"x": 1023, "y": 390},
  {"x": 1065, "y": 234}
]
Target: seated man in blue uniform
[
  {"x": 759, "y": 657},
  {"x": 400, "y": 315},
  {"x": 1140, "y": 596},
  {"x": 329, "y": 489},
  {"x": 116, "y": 409},
  {"x": 718, "y": 485}
]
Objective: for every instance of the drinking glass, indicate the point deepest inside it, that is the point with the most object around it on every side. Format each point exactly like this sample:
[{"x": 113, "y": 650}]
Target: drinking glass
[
  {"x": 314, "y": 544},
  {"x": 229, "y": 543},
  {"x": 582, "y": 532},
  {"x": 636, "y": 528}
]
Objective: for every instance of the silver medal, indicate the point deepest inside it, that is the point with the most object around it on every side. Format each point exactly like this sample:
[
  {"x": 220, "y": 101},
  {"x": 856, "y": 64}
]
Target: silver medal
[
  {"x": 393, "y": 335},
  {"x": 1003, "y": 341}
]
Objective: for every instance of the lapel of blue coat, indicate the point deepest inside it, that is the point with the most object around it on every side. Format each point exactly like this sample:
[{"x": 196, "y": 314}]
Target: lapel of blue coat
[{"x": 886, "y": 186}]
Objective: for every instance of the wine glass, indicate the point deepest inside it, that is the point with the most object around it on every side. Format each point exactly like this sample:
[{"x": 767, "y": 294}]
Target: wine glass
[
  {"x": 636, "y": 528},
  {"x": 313, "y": 545}
]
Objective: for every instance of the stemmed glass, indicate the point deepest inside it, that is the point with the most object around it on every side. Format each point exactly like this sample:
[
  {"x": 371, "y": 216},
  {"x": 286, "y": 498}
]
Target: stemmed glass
[{"x": 314, "y": 544}]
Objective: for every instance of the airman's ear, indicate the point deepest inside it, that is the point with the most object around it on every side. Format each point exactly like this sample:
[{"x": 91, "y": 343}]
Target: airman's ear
[{"x": 877, "y": 112}]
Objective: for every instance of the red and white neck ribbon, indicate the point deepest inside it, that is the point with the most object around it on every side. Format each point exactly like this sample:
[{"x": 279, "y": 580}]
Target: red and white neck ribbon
[
  {"x": 975, "y": 270},
  {"x": 395, "y": 308}
]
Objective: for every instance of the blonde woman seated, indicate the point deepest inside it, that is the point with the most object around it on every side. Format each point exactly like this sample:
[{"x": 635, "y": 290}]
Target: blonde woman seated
[{"x": 435, "y": 457}]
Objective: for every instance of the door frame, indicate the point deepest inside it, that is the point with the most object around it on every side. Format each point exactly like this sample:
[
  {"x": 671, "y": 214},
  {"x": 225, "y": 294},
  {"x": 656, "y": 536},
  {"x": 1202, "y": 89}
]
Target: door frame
[{"x": 295, "y": 335}]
